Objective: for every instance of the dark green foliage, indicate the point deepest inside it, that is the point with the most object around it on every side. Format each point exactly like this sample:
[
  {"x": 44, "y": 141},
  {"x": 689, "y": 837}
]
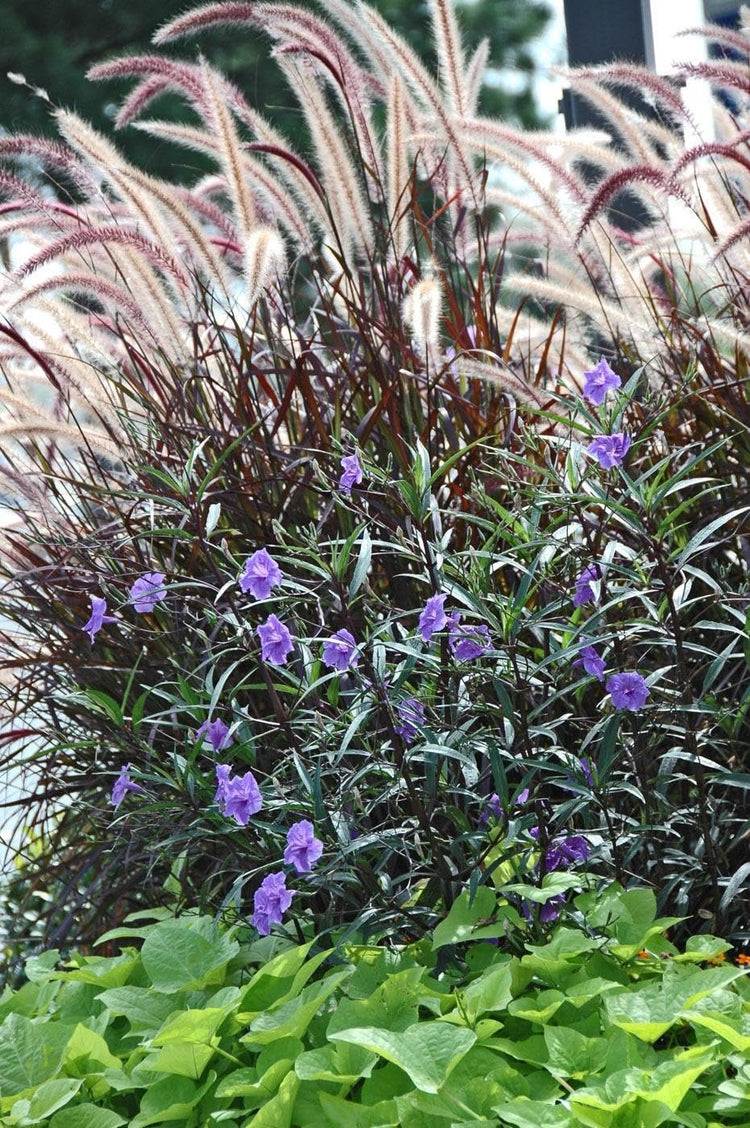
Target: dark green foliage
[{"x": 53, "y": 44}]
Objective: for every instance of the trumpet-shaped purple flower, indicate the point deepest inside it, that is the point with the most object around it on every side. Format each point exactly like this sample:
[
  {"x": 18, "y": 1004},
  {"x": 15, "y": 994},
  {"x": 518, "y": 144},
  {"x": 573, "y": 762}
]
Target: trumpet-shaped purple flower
[
  {"x": 467, "y": 642},
  {"x": 122, "y": 785},
  {"x": 628, "y": 691},
  {"x": 238, "y": 797},
  {"x": 598, "y": 381},
  {"x": 302, "y": 847},
  {"x": 340, "y": 651},
  {"x": 585, "y": 591},
  {"x": 410, "y": 715},
  {"x": 591, "y": 661},
  {"x": 566, "y": 852},
  {"x": 433, "y": 617},
  {"x": 260, "y": 574},
  {"x": 352, "y": 475},
  {"x": 98, "y": 617},
  {"x": 215, "y": 733},
  {"x": 271, "y": 901},
  {"x": 495, "y": 807},
  {"x": 275, "y": 641},
  {"x": 609, "y": 450},
  {"x": 147, "y": 591}
]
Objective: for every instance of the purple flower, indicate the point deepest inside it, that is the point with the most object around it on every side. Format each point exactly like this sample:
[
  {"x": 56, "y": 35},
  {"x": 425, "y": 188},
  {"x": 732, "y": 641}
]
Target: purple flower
[
  {"x": 585, "y": 592},
  {"x": 550, "y": 910},
  {"x": 98, "y": 617},
  {"x": 260, "y": 574},
  {"x": 591, "y": 661},
  {"x": 609, "y": 450},
  {"x": 565, "y": 853},
  {"x": 271, "y": 901},
  {"x": 628, "y": 691},
  {"x": 238, "y": 797},
  {"x": 352, "y": 475},
  {"x": 433, "y": 617},
  {"x": 410, "y": 715},
  {"x": 598, "y": 381},
  {"x": 275, "y": 641},
  {"x": 340, "y": 651},
  {"x": 123, "y": 784},
  {"x": 467, "y": 642},
  {"x": 215, "y": 733},
  {"x": 147, "y": 591},
  {"x": 302, "y": 847}
]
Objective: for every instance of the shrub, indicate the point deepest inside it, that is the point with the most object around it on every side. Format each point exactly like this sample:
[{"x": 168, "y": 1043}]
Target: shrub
[
  {"x": 604, "y": 1024},
  {"x": 225, "y": 362}
]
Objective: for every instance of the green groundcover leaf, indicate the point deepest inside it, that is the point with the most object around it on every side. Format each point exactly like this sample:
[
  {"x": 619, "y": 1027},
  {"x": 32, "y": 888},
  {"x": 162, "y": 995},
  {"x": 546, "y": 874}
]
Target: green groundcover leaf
[
  {"x": 30, "y": 1053},
  {"x": 175, "y": 956},
  {"x": 427, "y": 1052},
  {"x": 87, "y": 1116}
]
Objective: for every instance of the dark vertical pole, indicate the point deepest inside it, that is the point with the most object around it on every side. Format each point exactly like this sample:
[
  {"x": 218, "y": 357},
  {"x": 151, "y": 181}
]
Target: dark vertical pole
[{"x": 602, "y": 31}]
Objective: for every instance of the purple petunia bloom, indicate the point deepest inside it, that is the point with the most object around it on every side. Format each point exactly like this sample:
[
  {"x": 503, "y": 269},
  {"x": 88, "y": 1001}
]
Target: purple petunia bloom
[
  {"x": 275, "y": 641},
  {"x": 238, "y": 797},
  {"x": 598, "y": 381},
  {"x": 565, "y": 853},
  {"x": 122, "y": 785},
  {"x": 260, "y": 574},
  {"x": 628, "y": 691},
  {"x": 302, "y": 847},
  {"x": 98, "y": 617},
  {"x": 340, "y": 651},
  {"x": 215, "y": 733},
  {"x": 609, "y": 450},
  {"x": 410, "y": 715},
  {"x": 147, "y": 591},
  {"x": 467, "y": 642},
  {"x": 352, "y": 475},
  {"x": 591, "y": 661},
  {"x": 271, "y": 901},
  {"x": 433, "y": 617},
  {"x": 585, "y": 591}
]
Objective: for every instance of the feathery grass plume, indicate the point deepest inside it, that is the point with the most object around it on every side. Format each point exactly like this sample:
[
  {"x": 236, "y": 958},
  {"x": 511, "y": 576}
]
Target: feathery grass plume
[
  {"x": 148, "y": 199},
  {"x": 352, "y": 230},
  {"x": 265, "y": 259},
  {"x": 101, "y": 237},
  {"x": 423, "y": 309},
  {"x": 625, "y": 178},
  {"x": 475, "y": 74},
  {"x": 398, "y": 171},
  {"x": 632, "y": 77},
  {"x": 500, "y": 375},
  {"x": 140, "y": 98},
  {"x": 630, "y": 128},
  {"x": 268, "y": 189},
  {"x": 424, "y": 87},
  {"x": 220, "y": 121},
  {"x": 450, "y": 55}
]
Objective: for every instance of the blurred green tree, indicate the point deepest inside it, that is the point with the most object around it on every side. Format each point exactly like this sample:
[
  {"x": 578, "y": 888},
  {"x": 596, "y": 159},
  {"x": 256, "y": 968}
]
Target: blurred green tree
[{"x": 52, "y": 44}]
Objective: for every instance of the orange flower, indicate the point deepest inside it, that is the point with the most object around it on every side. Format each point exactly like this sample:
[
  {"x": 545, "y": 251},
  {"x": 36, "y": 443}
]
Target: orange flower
[
  {"x": 644, "y": 955},
  {"x": 742, "y": 958}
]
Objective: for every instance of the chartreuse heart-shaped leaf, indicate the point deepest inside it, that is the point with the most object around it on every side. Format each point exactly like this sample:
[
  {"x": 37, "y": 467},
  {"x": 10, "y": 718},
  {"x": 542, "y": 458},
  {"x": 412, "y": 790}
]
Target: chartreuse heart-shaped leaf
[{"x": 427, "y": 1052}]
